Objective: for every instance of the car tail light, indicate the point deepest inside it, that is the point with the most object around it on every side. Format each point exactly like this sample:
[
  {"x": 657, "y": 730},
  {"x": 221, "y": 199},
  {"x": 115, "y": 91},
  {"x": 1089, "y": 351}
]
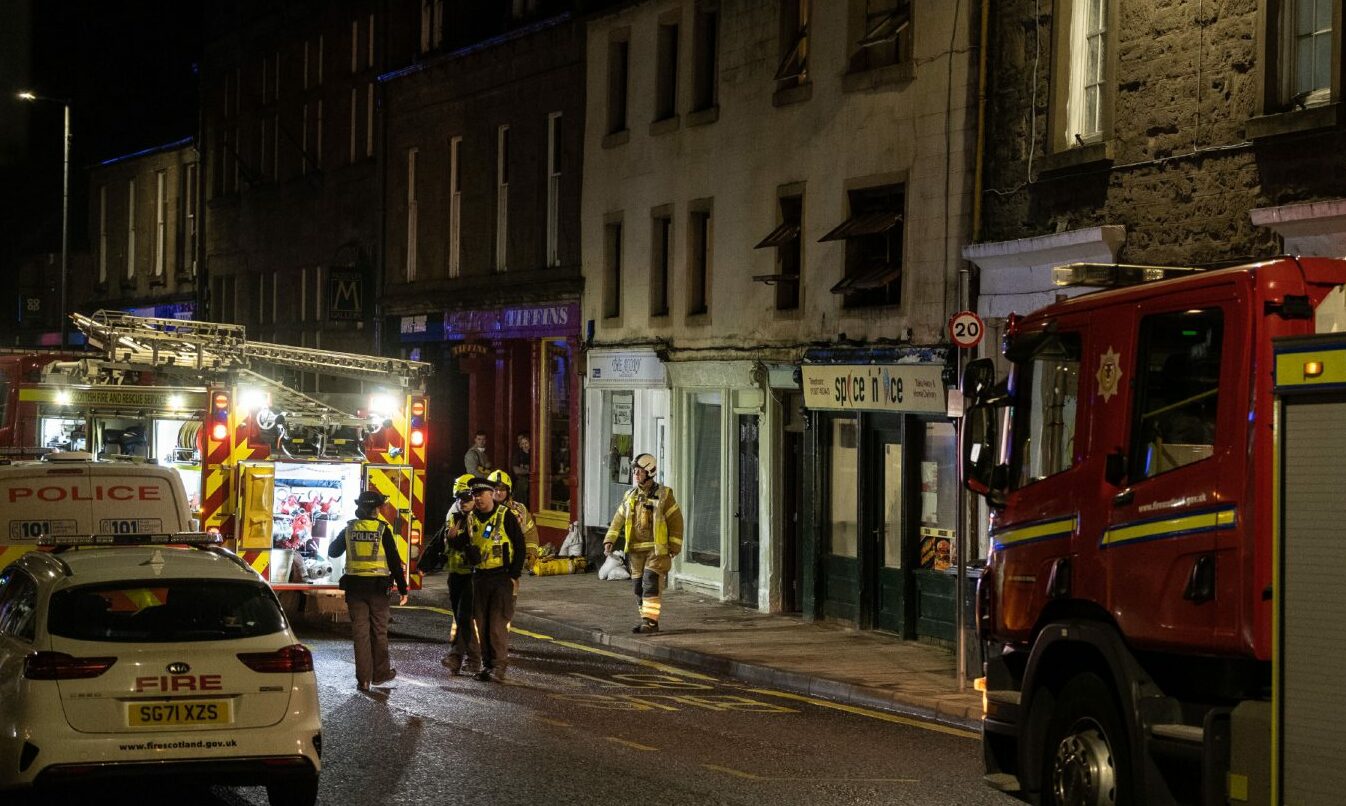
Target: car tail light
[
  {"x": 60, "y": 666},
  {"x": 291, "y": 659}
]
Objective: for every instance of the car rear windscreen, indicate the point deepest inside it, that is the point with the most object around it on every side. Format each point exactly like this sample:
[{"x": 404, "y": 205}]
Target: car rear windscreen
[{"x": 165, "y": 610}]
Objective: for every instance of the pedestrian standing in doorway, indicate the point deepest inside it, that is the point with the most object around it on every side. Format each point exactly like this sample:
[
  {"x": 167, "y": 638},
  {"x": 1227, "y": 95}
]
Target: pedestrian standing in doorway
[
  {"x": 464, "y": 646},
  {"x": 375, "y": 563},
  {"x": 475, "y": 461},
  {"x": 648, "y": 526},
  {"x": 521, "y": 465},
  {"x": 503, "y": 495},
  {"x": 494, "y": 532}
]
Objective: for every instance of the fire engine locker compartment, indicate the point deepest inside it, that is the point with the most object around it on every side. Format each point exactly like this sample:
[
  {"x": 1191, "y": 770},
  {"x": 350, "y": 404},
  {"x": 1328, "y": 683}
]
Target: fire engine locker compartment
[{"x": 1309, "y": 702}]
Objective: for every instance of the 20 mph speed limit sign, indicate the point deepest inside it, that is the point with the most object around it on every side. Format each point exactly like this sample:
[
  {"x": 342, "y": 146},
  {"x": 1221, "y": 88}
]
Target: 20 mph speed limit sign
[{"x": 966, "y": 329}]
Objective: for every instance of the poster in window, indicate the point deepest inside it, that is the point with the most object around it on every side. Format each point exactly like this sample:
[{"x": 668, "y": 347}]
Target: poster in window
[{"x": 619, "y": 448}]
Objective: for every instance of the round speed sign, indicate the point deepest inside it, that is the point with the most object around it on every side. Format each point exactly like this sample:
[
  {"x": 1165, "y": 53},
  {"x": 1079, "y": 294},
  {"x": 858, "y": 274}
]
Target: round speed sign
[{"x": 966, "y": 329}]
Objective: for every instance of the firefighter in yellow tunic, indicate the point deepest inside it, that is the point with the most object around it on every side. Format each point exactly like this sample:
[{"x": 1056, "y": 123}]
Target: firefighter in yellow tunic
[
  {"x": 375, "y": 563},
  {"x": 648, "y": 524},
  {"x": 504, "y": 494},
  {"x": 494, "y": 540},
  {"x": 464, "y": 648}
]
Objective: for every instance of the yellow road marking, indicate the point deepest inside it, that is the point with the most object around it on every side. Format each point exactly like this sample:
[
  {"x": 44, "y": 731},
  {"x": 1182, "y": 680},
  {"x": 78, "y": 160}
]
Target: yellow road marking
[
  {"x": 423, "y": 607},
  {"x": 754, "y": 777},
  {"x": 853, "y": 709},
  {"x": 663, "y": 667},
  {"x": 629, "y": 743}
]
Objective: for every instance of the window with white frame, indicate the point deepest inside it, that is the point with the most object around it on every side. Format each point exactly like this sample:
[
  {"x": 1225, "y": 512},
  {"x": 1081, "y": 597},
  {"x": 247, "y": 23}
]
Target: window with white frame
[
  {"x": 102, "y": 234},
  {"x": 1307, "y": 43},
  {"x": 160, "y": 221},
  {"x": 131, "y": 230},
  {"x": 455, "y": 207},
  {"x": 553, "y": 188},
  {"x": 411, "y": 213},
  {"x": 1088, "y": 71},
  {"x": 502, "y": 197}
]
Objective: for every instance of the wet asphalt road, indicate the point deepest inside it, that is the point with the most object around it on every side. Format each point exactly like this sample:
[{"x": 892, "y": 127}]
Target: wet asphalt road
[{"x": 578, "y": 724}]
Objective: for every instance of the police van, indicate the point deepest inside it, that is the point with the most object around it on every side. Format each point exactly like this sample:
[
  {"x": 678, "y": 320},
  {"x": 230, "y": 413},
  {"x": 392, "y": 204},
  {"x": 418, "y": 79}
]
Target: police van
[{"x": 70, "y": 494}]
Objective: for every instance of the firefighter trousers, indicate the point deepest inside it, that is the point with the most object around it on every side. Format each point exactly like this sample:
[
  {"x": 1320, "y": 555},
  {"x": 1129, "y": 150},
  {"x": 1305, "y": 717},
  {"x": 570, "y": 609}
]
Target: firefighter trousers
[
  {"x": 649, "y": 575},
  {"x": 463, "y": 641},
  {"x": 493, "y": 604},
  {"x": 369, "y": 629}
]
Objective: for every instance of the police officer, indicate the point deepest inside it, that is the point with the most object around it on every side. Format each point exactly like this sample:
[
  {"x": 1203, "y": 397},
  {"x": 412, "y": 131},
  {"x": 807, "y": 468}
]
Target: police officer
[
  {"x": 375, "y": 562},
  {"x": 463, "y": 642},
  {"x": 494, "y": 532},
  {"x": 648, "y": 523},
  {"x": 504, "y": 494}
]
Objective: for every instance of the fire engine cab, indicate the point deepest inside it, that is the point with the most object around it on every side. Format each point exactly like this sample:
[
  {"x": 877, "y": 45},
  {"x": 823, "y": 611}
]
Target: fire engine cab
[
  {"x": 273, "y": 470},
  {"x": 1161, "y": 615}
]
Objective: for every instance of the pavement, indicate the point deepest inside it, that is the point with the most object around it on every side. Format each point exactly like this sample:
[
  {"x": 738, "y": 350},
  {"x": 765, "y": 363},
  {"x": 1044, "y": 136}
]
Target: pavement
[{"x": 819, "y": 659}]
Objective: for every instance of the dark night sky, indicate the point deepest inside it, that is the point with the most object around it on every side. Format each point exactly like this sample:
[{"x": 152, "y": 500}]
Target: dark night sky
[{"x": 129, "y": 70}]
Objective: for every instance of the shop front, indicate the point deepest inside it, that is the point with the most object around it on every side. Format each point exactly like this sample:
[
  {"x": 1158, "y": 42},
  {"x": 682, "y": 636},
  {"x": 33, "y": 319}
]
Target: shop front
[
  {"x": 511, "y": 372},
  {"x": 881, "y": 452},
  {"x": 626, "y": 404}
]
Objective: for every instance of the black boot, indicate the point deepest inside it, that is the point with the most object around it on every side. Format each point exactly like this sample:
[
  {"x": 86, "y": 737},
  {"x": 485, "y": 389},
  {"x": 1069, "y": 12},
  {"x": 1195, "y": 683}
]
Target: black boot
[{"x": 646, "y": 626}]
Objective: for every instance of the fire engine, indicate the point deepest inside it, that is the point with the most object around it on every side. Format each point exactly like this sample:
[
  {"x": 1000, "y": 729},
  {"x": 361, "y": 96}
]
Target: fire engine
[
  {"x": 273, "y": 470},
  {"x": 1161, "y": 614}
]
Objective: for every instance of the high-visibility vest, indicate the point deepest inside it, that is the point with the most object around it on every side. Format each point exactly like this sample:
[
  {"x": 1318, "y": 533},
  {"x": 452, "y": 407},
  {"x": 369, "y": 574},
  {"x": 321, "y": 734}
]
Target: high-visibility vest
[
  {"x": 635, "y": 499},
  {"x": 526, "y": 524},
  {"x": 490, "y": 538},
  {"x": 364, "y": 548}
]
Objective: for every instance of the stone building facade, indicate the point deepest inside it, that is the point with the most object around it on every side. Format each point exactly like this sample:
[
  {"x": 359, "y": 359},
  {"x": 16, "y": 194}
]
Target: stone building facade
[{"x": 775, "y": 194}]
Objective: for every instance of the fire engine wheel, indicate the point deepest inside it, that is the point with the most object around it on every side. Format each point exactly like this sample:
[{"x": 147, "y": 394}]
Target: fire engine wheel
[{"x": 1086, "y": 748}]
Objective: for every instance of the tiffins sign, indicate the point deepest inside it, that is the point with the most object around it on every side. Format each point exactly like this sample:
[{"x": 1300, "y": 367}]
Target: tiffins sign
[{"x": 910, "y": 388}]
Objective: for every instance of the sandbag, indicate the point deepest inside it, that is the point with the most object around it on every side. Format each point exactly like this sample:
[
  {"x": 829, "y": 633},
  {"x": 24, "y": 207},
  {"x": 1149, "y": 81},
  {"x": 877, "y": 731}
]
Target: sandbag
[{"x": 614, "y": 567}]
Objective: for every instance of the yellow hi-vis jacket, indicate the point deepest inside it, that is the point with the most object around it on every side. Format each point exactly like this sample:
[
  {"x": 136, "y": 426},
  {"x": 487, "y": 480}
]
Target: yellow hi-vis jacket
[
  {"x": 526, "y": 524},
  {"x": 364, "y": 548},
  {"x": 456, "y": 562},
  {"x": 490, "y": 539},
  {"x": 648, "y": 520}
]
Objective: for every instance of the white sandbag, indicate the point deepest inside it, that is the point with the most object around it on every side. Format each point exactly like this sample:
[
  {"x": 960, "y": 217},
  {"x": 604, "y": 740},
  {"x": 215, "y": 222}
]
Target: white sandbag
[
  {"x": 573, "y": 545},
  {"x": 614, "y": 567}
]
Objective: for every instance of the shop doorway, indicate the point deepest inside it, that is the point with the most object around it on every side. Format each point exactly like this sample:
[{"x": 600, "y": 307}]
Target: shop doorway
[
  {"x": 749, "y": 534},
  {"x": 792, "y": 548},
  {"x": 885, "y": 560}
]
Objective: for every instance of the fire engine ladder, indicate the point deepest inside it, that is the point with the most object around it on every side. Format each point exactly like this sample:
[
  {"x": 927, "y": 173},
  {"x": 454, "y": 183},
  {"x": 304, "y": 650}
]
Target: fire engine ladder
[{"x": 168, "y": 343}]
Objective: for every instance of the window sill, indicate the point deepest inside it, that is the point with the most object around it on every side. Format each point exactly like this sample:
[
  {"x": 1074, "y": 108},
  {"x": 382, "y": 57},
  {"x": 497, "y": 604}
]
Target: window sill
[
  {"x": 701, "y": 117},
  {"x": 1093, "y": 155},
  {"x": 669, "y": 124},
  {"x": 797, "y": 94},
  {"x": 699, "y": 318},
  {"x": 615, "y": 139},
  {"x": 1327, "y": 116},
  {"x": 874, "y": 78}
]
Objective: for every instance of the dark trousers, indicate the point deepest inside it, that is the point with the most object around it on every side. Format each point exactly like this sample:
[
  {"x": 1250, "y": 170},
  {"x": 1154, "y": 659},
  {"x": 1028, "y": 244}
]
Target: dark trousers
[
  {"x": 493, "y": 603},
  {"x": 369, "y": 628},
  {"x": 463, "y": 643}
]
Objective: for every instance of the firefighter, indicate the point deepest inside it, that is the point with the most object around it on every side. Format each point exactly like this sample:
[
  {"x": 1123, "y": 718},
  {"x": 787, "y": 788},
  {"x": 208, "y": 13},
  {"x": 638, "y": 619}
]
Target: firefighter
[
  {"x": 464, "y": 645},
  {"x": 375, "y": 562},
  {"x": 504, "y": 495},
  {"x": 495, "y": 534},
  {"x": 648, "y": 524}
]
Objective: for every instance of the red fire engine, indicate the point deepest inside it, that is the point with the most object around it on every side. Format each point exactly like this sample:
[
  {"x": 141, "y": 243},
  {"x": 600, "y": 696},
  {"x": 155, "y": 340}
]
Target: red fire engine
[
  {"x": 1132, "y": 464},
  {"x": 274, "y": 470}
]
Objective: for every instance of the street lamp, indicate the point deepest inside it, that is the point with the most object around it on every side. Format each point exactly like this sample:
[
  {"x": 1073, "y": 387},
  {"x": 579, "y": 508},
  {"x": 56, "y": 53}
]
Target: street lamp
[{"x": 65, "y": 204}]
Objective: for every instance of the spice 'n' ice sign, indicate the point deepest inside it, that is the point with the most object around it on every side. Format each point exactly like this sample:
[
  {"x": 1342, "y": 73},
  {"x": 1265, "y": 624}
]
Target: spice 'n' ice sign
[{"x": 913, "y": 388}]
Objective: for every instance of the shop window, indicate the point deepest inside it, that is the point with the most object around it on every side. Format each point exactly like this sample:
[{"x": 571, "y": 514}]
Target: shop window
[
  {"x": 1178, "y": 377},
  {"x": 558, "y": 478},
  {"x": 1046, "y": 399},
  {"x": 939, "y": 495},
  {"x": 873, "y": 236},
  {"x": 704, "y": 495},
  {"x": 620, "y": 407},
  {"x": 843, "y": 488}
]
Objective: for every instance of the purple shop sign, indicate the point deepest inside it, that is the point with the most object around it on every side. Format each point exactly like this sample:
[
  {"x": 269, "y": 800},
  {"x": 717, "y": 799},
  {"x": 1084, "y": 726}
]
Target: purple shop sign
[{"x": 514, "y": 322}]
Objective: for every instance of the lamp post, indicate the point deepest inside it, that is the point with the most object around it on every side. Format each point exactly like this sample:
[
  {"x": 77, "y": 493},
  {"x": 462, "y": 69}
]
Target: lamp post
[{"x": 65, "y": 204}]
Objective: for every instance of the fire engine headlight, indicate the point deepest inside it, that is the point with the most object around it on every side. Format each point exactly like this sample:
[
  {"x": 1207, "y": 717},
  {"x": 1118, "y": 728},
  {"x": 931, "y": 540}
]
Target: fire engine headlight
[
  {"x": 254, "y": 399},
  {"x": 382, "y": 405}
]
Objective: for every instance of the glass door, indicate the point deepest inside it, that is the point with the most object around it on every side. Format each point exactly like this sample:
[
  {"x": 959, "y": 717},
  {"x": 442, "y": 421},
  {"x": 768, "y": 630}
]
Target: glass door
[{"x": 886, "y": 519}]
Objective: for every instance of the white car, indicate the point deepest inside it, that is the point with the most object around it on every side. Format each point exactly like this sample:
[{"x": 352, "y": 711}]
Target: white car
[{"x": 152, "y": 660}]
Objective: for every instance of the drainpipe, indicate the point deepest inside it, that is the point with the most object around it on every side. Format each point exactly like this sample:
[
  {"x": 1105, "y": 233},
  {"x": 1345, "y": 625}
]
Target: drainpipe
[{"x": 967, "y": 502}]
